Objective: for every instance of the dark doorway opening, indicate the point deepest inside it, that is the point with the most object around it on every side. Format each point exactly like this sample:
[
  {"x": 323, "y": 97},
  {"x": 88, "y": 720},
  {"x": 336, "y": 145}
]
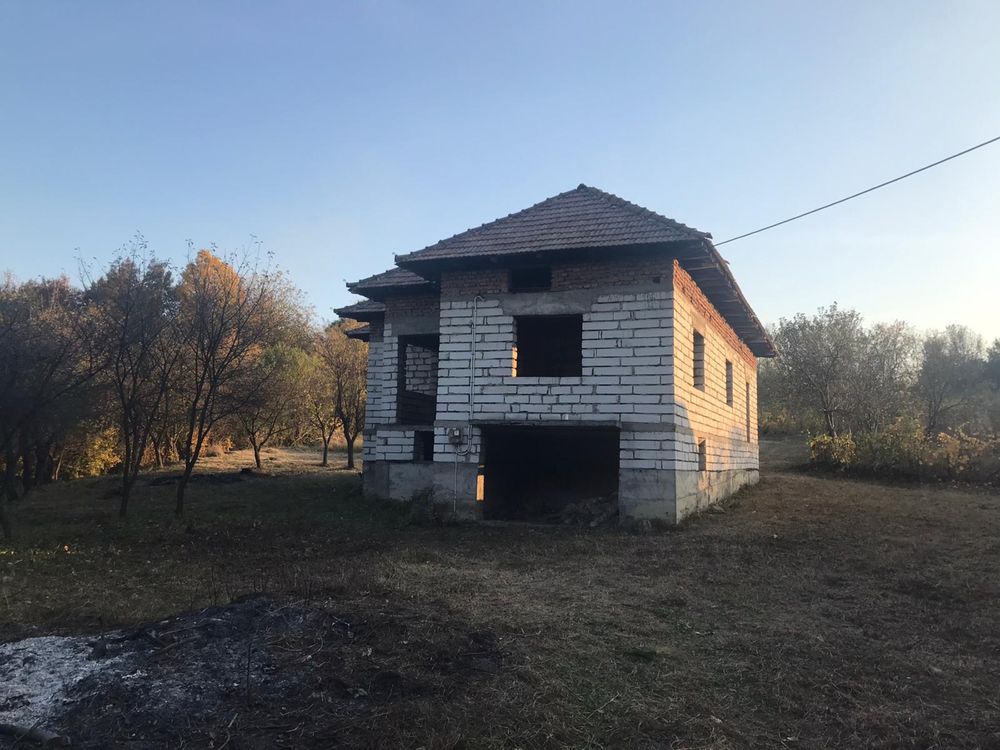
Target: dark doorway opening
[{"x": 547, "y": 474}]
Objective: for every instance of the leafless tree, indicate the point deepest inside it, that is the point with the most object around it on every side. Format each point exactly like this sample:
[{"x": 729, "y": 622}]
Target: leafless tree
[
  {"x": 228, "y": 317},
  {"x": 346, "y": 361},
  {"x": 136, "y": 305}
]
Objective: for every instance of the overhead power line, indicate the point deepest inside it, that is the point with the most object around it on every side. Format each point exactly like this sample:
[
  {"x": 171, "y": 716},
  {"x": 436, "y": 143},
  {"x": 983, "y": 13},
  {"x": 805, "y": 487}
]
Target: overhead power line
[{"x": 863, "y": 192}]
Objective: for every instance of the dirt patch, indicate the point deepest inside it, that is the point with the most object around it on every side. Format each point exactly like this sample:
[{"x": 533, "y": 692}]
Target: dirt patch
[
  {"x": 256, "y": 672},
  {"x": 813, "y": 613}
]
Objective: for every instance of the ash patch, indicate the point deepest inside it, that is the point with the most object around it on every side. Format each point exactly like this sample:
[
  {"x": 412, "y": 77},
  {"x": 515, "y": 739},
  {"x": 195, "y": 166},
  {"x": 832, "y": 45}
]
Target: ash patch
[
  {"x": 37, "y": 673},
  {"x": 255, "y": 673}
]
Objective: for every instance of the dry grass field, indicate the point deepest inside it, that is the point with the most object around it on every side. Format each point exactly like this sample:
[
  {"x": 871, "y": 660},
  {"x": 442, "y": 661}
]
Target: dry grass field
[{"x": 812, "y": 613}]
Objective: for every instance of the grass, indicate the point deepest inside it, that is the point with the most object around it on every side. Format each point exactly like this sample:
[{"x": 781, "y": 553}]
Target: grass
[{"x": 814, "y": 612}]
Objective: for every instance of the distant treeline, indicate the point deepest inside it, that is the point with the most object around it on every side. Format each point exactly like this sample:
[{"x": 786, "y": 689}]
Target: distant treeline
[
  {"x": 145, "y": 365},
  {"x": 884, "y": 399}
]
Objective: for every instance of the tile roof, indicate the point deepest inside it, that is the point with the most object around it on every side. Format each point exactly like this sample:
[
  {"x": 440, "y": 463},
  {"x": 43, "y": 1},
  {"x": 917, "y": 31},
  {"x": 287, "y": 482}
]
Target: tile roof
[
  {"x": 363, "y": 310},
  {"x": 392, "y": 280},
  {"x": 362, "y": 333},
  {"x": 583, "y": 217}
]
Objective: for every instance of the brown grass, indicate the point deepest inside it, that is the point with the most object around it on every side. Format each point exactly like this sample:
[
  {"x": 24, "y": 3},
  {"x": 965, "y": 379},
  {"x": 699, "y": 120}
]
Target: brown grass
[{"x": 814, "y": 612}]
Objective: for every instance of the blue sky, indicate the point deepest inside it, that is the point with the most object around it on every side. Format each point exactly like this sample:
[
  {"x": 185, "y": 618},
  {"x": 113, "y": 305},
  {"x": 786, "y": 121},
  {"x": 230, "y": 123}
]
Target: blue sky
[{"x": 342, "y": 133}]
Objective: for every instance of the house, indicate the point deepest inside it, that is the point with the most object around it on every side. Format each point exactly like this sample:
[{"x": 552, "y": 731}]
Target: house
[{"x": 582, "y": 347}]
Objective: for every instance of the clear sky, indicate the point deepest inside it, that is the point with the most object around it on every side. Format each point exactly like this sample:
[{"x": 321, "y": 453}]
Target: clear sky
[{"x": 342, "y": 133}]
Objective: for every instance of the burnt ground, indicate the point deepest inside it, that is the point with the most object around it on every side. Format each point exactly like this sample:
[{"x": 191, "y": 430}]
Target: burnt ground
[
  {"x": 262, "y": 674},
  {"x": 814, "y": 612}
]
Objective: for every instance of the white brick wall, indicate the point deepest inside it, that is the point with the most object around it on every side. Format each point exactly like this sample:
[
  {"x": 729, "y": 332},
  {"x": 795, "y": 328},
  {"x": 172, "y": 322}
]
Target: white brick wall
[
  {"x": 637, "y": 370},
  {"x": 626, "y": 364},
  {"x": 421, "y": 370}
]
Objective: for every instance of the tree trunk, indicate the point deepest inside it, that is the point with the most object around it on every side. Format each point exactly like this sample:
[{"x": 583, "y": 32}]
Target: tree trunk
[
  {"x": 181, "y": 487},
  {"x": 5, "y": 523},
  {"x": 127, "y": 483},
  {"x": 350, "y": 452},
  {"x": 57, "y": 464},
  {"x": 10, "y": 474},
  {"x": 43, "y": 463},
  {"x": 27, "y": 476},
  {"x": 326, "y": 451},
  {"x": 256, "y": 455}
]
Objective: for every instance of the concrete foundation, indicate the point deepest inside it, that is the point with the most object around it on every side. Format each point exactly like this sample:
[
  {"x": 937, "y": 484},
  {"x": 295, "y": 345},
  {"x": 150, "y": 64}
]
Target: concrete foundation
[
  {"x": 397, "y": 480},
  {"x": 672, "y": 495},
  {"x": 643, "y": 494},
  {"x": 401, "y": 480}
]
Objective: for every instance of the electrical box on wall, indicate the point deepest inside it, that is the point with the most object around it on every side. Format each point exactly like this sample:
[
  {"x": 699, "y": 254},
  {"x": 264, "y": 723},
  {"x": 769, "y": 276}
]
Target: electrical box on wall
[{"x": 456, "y": 435}]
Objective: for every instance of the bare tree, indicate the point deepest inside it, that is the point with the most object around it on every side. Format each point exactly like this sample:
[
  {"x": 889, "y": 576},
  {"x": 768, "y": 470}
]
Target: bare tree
[
  {"x": 228, "y": 317},
  {"x": 346, "y": 360},
  {"x": 136, "y": 305}
]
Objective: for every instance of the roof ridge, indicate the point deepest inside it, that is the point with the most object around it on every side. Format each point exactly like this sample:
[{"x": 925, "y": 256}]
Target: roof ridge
[
  {"x": 640, "y": 210},
  {"x": 484, "y": 225}
]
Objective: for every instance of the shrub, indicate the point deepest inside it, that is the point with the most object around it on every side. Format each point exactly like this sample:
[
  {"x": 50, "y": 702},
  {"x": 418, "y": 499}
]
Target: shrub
[
  {"x": 89, "y": 451},
  {"x": 897, "y": 451},
  {"x": 832, "y": 451},
  {"x": 904, "y": 451}
]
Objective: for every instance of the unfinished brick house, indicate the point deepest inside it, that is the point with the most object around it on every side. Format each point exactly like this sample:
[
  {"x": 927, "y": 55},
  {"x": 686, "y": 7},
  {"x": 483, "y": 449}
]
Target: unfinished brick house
[{"x": 582, "y": 347}]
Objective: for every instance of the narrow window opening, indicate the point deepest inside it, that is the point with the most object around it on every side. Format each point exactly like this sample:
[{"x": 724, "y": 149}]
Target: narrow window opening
[
  {"x": 699, "y": 361},
  {"x": 729, "y": 383},
  {"x": 423, "y": 445},
  {"x": 548, "y": 346},
  {"x": 702, "y": 456},
  {"x": 537, "y": 279},
  {"x": 749, "y": 440}
]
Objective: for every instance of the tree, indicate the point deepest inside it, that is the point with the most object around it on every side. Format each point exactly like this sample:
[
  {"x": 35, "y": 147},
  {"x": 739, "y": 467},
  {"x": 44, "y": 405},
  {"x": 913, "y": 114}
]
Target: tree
[
  {"x": 993, "y": 365},
  {"x": 883, "y": 376},
  {"x": 346, "y": 360},
  {"x": 817, "y": 360},
  {"x": 136, "y": 305},
  {"x": 49, "y": 357},
  {"x": 320, "y": 396},
  {"x": 228, "y": 318},
  {"x": 950, "y": 370},
  {"x": 271, "y": 411}
]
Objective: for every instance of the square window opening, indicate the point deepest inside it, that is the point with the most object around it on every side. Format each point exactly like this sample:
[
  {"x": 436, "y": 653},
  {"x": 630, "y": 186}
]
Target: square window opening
[
  {"x": 699, "y": 361},
  {"x": 537, "y": 279},
  {"x": 702, "y": 456},
  {"x": 729, "y": 383},
  {"x": 548, "y": 346}
]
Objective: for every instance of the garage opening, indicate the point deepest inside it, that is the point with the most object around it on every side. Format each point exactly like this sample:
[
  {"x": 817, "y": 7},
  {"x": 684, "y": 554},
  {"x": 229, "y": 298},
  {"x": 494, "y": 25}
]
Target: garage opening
[{"x": 550, "y": 474}]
